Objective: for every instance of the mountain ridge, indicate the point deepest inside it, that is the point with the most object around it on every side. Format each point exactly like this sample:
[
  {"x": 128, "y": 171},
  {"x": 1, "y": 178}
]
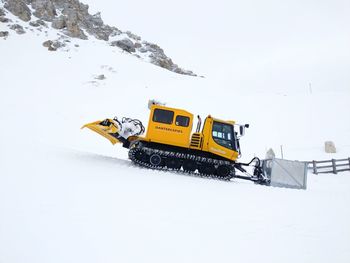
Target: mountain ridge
[{"x": 72, "y": 19}]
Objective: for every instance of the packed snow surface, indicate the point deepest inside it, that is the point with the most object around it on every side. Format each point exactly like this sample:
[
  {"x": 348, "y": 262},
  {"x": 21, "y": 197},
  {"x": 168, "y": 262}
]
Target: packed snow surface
[{"x": 68, "y": 195}]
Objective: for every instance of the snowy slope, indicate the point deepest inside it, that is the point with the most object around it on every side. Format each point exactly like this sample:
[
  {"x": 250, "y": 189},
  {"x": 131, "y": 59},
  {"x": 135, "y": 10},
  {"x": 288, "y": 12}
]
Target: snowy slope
[
  {"x": 255, "y": 45},
  {"x": 67, "y": 195}
]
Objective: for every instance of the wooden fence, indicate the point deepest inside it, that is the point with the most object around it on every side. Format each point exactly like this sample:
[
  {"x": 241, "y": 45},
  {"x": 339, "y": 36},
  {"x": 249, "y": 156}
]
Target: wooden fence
[{"x": 330, "y": 166}]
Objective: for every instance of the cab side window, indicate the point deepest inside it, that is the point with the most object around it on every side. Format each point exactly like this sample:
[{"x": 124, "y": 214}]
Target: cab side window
[
  {"x": 182, "y": 121},
  {"x": 163, "y": 116}
]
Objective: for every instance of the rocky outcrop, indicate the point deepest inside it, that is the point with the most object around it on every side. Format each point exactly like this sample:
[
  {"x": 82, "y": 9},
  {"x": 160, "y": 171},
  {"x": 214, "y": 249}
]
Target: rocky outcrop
[
  {"x": 137, "y": 45},
  {"x": 53, "y": 45},
  {"x": 125, "y": 44},
  {"x": 44, "y": 9},
  {"x": 47, "y": 43},
  {"x": 2, "y": 12},
  {"x": 59, "y": 22},
  {"x": 19, "y": 8},
  {"x": 133, "y": 36},
  {"x": 4, "y": 33},
  {"x": 38, "y": 23},
  {"x": 76, "y": 18},
  {"x": 72, "y": 18},
  {"x": 17, "y": 28},
  {"x": 72, "y": 26},
  {"x": 159, "y": 58},
  {"x": 100, "y": 77},
  {"x": 5, "y": 19}
]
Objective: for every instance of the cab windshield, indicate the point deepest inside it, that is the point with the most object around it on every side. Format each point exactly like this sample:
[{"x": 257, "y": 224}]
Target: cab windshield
[{"x": 223, "y": 134}]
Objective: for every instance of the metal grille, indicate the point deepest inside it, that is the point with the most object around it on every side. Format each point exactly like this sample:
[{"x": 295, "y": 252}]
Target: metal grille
[{"x": 285, "y": 173}]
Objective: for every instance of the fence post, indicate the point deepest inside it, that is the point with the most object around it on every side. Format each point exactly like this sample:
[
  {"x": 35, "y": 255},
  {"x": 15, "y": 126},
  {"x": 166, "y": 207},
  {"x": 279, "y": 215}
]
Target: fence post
[
  {"x": 315, "y": 166},
  {"x": 282, "y": 151},
  {"x": 334, "y": 166}
]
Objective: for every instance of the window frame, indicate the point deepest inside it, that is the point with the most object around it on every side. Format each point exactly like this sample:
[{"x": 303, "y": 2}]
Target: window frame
[
  {"x": 221, "y": 139},
  {"x": 156, "y": 111},
  {"x": 185, "y": 117}
]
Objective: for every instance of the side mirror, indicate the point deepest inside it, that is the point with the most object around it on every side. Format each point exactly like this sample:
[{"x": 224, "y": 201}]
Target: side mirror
[{"x": 241, "y": 130}]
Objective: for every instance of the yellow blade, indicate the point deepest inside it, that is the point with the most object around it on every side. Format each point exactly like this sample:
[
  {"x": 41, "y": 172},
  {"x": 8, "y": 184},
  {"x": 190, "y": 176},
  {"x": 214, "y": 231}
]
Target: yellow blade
[{"x": 105, "y": 131}]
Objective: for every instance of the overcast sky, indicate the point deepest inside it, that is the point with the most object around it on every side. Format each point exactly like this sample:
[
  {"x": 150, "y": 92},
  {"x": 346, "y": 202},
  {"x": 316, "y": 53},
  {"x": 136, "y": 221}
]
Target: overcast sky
[{"x": 290, "y": 41}]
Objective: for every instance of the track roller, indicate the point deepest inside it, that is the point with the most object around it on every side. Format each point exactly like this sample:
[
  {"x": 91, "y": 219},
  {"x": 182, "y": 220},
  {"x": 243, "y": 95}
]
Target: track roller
[
  {"x": 173, "y": 163},
  {"x": 223, "y": 171},
  {"x": 206, "y": 168},
  {"x": 189, "y": 166},
  {"x": 155, "y": 160}
]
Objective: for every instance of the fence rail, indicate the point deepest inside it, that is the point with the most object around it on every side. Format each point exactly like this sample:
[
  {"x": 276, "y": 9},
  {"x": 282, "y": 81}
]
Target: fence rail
[{"x": 330, "y": 166}]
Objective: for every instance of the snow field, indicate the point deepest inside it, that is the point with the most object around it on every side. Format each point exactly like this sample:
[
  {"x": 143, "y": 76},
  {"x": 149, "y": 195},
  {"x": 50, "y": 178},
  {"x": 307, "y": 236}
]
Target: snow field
[{"x": 68, "y": 195}]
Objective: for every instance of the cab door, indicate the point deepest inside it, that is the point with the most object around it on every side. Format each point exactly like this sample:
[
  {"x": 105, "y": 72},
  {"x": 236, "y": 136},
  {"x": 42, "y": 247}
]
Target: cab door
[{"x": 220, "y": 138}]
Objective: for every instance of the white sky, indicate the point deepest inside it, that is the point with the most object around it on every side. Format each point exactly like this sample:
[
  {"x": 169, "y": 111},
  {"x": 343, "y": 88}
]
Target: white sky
[{"x": 292, "y": 42}]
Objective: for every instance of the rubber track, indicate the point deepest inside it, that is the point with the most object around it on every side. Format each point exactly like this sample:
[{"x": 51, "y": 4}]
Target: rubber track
[{"x": 165, "y": 154}]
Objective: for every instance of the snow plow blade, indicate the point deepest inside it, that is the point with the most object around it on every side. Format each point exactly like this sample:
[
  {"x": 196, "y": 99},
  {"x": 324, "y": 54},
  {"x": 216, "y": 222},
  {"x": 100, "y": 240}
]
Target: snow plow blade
[
  {"x": 106, "y": 128},
  {"x": 285, "y": 173}
]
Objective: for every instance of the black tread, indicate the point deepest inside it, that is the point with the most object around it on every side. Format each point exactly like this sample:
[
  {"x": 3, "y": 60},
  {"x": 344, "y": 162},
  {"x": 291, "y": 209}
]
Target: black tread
[{"x": 138, "y": 151}]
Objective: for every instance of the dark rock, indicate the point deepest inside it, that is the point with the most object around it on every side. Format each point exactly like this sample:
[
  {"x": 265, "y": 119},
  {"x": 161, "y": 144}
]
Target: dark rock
[
  {"x": 18, "y": 8},
  {"x": 34, "y": 24},
  {"x": 115, "y": 32},
  {"x": 100, "y": 77},
  {"x": 4, "y": 33},
  {"x": 59, "y": 22},
  {"x": 38, "y": 23},
  {"x": 133, "y": 36},
  {"x": 52, "y": 48},
  {"x": 96, "y": 19},
  {"x": 47, "y": 43},
  {"x": 18, "y": 28},
  {"x": 53, "y": 45},
  {"x": 2, "y": 12},
  {"x": 143, "y": 49},
  {"x": 181, "y": 71},
  {"x": 100, "y": 33},
  {"x": 57, "y": 44},
  {"x": 126, "y": 44},
  {"x": 153, "y": 47},
  {"x": 5, "y": 19},
  {"x": 137, "y": 45},
  {"x": 163, "y": 62}
]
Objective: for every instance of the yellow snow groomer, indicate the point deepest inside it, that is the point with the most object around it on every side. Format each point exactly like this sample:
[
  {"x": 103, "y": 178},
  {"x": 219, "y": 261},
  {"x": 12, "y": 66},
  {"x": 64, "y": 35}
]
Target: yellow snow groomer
[{"x": 170, "y": 144}]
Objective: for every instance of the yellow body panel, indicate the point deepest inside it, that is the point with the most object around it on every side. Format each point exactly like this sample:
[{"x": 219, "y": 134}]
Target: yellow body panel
[{"x": 169, "y": 133}]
